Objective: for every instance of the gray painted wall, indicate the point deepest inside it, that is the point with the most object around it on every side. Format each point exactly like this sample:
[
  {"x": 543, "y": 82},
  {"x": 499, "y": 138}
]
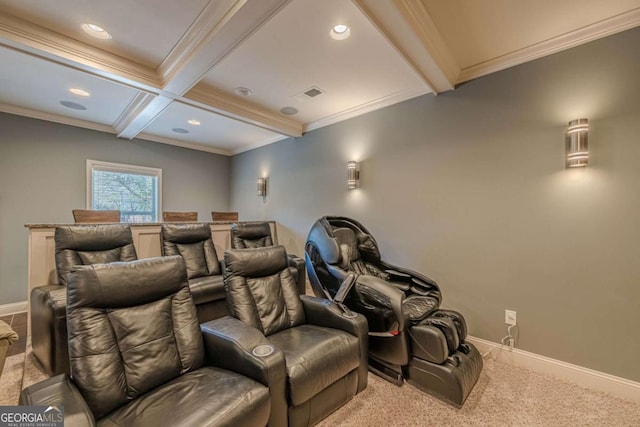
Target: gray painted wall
[
  {"x": 470, "y": 188},
  {"x": 42, "y": 177}
]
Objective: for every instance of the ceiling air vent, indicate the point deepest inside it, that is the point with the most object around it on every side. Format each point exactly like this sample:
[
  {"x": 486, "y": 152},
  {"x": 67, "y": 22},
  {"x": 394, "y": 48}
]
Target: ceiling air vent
[
  {"x": 308, "y": 94},
  {"x": 314, "y": 91}
]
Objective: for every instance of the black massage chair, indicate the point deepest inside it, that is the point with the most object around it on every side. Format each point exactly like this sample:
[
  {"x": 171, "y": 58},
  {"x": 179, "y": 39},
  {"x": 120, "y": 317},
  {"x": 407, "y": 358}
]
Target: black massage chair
[{"x": 409, "y": 336}]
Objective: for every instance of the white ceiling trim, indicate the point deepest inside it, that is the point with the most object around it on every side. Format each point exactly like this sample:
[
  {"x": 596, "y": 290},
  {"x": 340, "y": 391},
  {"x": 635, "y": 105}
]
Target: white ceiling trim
[
  {"x": 29, "y": 38},
  {"x": 234, "y": 22},
  {"x": 56, "y": 118},
  {"x": 207, "y": 98},
  {"x": 137, "y": 104},
  {"x": 418, "y": 17},
  {"x": 190, "y": 145},
  {"x": 376, "y": 104},
  {"x": 214, "y": 15},
  {"x": 258, "y": 144},
  {"x": 140, "y": 115},
  {"x": 615, "y": 24},
  {"x": 411, "y": 31}
]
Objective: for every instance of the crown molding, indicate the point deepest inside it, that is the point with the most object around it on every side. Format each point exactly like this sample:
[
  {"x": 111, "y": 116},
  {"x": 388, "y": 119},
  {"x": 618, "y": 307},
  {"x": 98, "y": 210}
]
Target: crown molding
[
  {"x": 207, "y": 98},
  {"x": 606, "y": 27},
  {"x": 408, "y": 27},
  {"x": 255, "y": 145},
  {"x": 56, "y": 118},
  {"x": 46, "y": 44},
  {"x": 358, "y": 110},
  {"x": 183, "y": 144}
]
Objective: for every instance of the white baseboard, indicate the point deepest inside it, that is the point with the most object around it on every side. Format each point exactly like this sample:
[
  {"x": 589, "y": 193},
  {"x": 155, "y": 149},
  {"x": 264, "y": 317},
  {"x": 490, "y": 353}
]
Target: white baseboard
[
  {"x": 585, "y": 377},
  {"x": 16, "y": 307}
]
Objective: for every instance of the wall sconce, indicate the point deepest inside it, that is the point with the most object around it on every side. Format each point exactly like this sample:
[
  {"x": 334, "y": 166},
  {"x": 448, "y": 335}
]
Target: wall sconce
[
  {"x": 577, "y": 143},
  {"x": 353, "y": 175},
  {"x": 262, "y": 187}
]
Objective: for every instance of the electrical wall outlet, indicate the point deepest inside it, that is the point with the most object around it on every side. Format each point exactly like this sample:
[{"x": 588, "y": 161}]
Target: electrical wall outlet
[{"x": 510, "y": 317}]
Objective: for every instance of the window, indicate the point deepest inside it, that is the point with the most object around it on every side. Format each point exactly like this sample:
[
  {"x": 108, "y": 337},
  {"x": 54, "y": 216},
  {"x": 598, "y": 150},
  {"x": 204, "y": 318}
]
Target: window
[{"x": 135, "y": 191}]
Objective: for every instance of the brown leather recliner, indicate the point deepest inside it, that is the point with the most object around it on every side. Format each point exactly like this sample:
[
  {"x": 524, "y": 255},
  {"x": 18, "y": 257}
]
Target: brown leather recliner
[
  {"x": 74, "y": 245},
  {"x": 138, "y": 357},
  {"x": 193, "y": 242},
  {"x": 325, "y": 351},
  {"x": 258, "y": 235}
]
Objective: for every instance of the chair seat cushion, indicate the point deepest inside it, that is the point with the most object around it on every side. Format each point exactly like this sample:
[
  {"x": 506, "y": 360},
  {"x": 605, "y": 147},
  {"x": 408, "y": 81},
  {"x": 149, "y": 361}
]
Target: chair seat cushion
[
  {"x": 205, "y": 397},
  {"x": 316, "y": 357},
  {"x": 206, "y": 289},
  {"x": 418, "y": 307}
]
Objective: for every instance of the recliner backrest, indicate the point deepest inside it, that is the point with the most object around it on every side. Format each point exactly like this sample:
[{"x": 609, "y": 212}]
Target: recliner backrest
[
  {"x": 132, "y": 327},
  {"x": 350, "y": 256},
  {"x": 91, "y": 244},
  {"x": 256, "y": 235},
  {"x": 260, "y": 289},
  {"x": 192, "y": 242}
]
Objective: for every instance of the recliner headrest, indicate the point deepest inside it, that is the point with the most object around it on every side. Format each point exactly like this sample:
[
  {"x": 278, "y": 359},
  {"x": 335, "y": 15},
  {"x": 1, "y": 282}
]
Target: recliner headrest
[
  {"x": 348, "y": 244},
  {"x": 186, "y": 233},
  {"x": 257, "y": 262},
  {"x": 147, "y": 280},
  {"x": 92, "y": 237},
  {"x": 251, "y": 231}
]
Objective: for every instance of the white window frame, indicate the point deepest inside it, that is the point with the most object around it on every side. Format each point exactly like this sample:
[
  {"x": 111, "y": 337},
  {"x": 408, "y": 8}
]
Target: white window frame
[{"x": 123, "y": 168}]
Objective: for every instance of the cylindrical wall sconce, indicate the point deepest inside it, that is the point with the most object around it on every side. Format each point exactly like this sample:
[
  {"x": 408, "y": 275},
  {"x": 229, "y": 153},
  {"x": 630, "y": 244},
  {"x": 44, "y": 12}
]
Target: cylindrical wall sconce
[
  {"x": 353, "y": 175},
  {"x": 577, "y": 143},
  {"x": 262, "y": 187}
]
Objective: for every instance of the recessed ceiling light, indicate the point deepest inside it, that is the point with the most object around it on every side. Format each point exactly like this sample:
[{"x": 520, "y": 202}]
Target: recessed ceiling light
[
  {"x": 179, "y": 130},
  {"x": 339, "y": 32},
  {"x": 96, "y": 31},
  {"x": 73, "y": 105},
  {"x": 79, "y": 92},
  {"x": 242, "y": 91},
  {"x": 193, "y": 122},
  {"x": 289, "y": 111}
]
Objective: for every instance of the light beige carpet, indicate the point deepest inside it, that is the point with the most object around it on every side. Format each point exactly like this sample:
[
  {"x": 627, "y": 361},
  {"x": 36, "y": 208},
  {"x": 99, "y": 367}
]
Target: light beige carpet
[{"x": 504, "y": 396}]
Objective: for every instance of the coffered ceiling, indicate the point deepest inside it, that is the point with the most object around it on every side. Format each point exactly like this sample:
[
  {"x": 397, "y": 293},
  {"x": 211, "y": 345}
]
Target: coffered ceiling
[{"x": 241, "y": 68}]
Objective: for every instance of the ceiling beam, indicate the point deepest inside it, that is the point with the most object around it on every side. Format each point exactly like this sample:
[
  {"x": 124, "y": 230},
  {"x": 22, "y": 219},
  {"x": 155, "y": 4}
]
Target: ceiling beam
[
  {"x": 220, "y": 28},
  {"x": 407, "y": 25},
  {"x": 21, "y": 35},
  {"x": 208, "y": 98}
]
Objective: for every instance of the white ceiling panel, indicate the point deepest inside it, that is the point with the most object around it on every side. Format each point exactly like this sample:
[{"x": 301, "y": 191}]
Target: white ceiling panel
[
  {"x": 293, "y": 52},
  {"x": 214, "y": 130},
  {"x": 143, "y": 31},
  {"x": 477, "y": 31},
  {"x": 37, "y": 84}
]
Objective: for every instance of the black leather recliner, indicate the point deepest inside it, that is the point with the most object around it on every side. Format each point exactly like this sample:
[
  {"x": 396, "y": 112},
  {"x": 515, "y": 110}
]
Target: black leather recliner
[
  {"x": 74, "y": 245},
  {"x": 193, "y": 242},
  {"x": 138, "y": 357},
  {"x": 324, "y": 351},
  {"x": 410, "y": 337},
  {"x": 258, "y": 235}
]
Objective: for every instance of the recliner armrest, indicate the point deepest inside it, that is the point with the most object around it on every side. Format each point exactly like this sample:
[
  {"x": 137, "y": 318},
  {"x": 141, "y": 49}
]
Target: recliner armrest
[
  {"x": 60, "y": 390},
  {"x": 392, "y": 295},
  {"x": 229, "y": 344},
  {"x": 322, "y": 312},
  {"x": 299, "y": 265}
]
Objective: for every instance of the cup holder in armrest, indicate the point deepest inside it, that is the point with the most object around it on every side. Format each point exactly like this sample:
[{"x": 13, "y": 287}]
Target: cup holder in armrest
[{"x": 263, "y": 350}]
